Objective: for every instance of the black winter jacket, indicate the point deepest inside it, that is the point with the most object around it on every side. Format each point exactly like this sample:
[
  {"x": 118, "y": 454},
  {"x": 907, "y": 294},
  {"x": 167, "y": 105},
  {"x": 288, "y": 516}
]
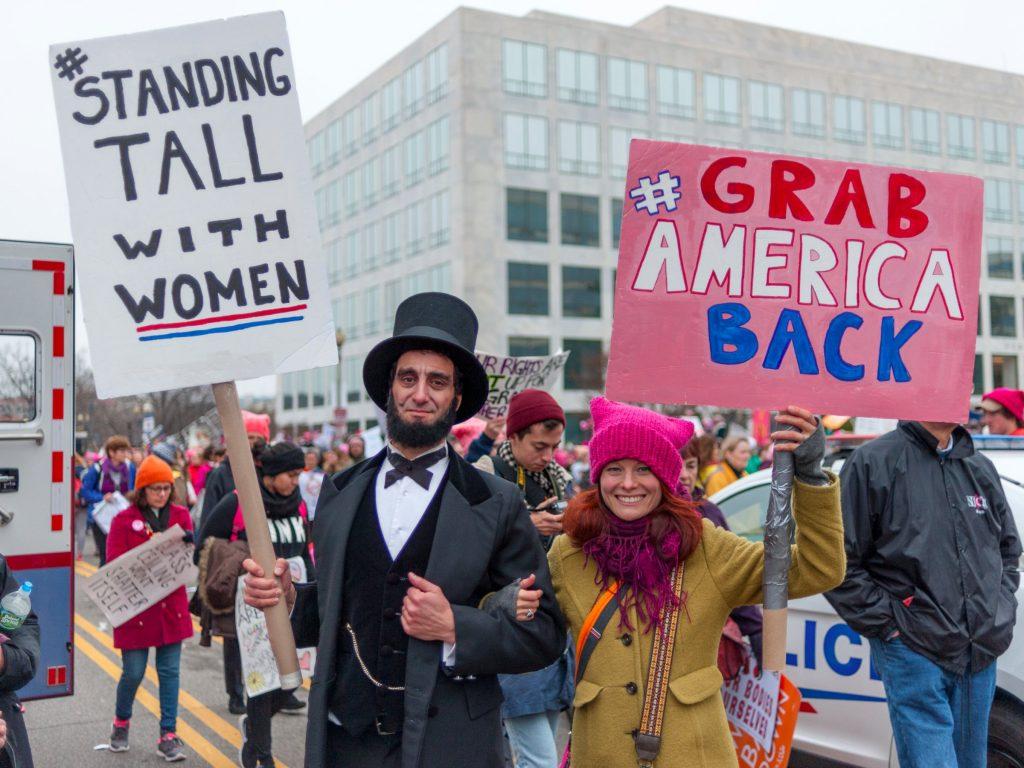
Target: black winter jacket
[
  {"x": 21, "y": 657},
  {"x": 931, "y": 547}
]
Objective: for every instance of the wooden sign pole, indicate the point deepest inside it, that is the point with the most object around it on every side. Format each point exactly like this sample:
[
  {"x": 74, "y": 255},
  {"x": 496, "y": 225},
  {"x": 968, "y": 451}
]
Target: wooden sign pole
[{"x": 260, "y": 548}]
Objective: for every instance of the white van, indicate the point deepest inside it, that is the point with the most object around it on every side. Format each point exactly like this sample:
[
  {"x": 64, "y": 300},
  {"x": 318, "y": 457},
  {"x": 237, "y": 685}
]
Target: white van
[
  {"x": 843, "y": 715},
  {"x": 37, "y": 424}
]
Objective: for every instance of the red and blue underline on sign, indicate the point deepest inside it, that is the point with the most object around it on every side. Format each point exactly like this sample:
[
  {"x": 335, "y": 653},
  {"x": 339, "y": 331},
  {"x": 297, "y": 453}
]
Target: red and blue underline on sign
[{"x": 269, "y": 314}]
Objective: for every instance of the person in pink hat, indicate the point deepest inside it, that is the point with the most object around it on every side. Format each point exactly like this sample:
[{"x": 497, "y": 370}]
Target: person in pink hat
[
  {"x": 1003, "y": 411},
  {"x": 634, "y": 541}
]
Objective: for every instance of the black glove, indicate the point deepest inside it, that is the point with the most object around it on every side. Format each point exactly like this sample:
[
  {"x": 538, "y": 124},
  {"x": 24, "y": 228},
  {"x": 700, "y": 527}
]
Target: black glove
[
  {"x": 188, "y": 537},
  {"x": 807, "y": 459},
  {"x": 756, "y": 648}
]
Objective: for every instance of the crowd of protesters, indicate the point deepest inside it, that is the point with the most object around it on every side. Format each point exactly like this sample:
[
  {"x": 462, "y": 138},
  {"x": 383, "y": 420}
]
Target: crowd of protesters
[{"x": 628, "y": 507}]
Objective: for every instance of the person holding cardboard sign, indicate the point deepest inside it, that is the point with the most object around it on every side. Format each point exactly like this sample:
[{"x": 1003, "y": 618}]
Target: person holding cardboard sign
[
  {"x": 636, "y": 551},
  {"x": 407, "y": 544}
]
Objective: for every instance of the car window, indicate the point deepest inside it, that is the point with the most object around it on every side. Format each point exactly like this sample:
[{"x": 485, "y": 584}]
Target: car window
[{"x": 746, "y": 511}]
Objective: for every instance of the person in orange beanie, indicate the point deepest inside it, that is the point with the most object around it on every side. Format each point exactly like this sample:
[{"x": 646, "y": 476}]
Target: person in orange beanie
[{"x": 162, "y": 626}]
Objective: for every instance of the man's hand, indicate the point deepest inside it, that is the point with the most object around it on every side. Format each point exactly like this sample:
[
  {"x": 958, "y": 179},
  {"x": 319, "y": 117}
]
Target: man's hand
[
  {"x": 3, "y": 731},
  {"x": 261, "y": 592},
  {"x": 426, "y": 612},
  {"x": 493, "y": 427},
  {"x": 528, "y": 600},
  {"x": 546, "y": 523}
]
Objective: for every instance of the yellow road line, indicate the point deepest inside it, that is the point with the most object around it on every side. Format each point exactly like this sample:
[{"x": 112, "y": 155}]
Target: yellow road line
[
  {"x": 189, "y": 703},
  {"x": 189, "y": 735}
]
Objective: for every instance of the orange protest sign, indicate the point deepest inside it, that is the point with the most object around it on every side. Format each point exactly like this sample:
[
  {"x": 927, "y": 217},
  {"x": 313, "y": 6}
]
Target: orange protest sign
[{"x": 742, "y": 710}]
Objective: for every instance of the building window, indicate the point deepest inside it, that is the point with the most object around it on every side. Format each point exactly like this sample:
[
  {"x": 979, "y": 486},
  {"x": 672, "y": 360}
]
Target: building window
[
  {"x": 616, "y": 220},
  {"x": 979, "y": 375},
  {"x": 415, "y": 158},
  {"x": 848, "y": 119},
  {"x": 438, "y": 146},
  {"x": 999, "y": 256},
  {"x": 581, "y": 220},
  {"x": 1004, "y": 371},
  {"x": 412, "y": 81},
  {"x": 414, "y": 228},
  {"x": 924, "y": 131},
  {"x": 676, "y": 92},
  {"x": 765, "y": 106},
  {"x": 581, "y": 292},
  {"x": 334, "y": 262},
  {"x": 287, "y": 398},
  {"x": 328, "y": 204},
  {"x": 317, "y": 148},
  {"x": 526, "y": 142},
  {"x": 585, "y": 367},
  {"x": 529, "y": 346},
  {"x": 960, "y": 136},
  {"x": 995, "y": 142},
  {"x": 352, "y": 372},
  {"x": 350, "y": 256},
  {"x": 333, "y": 144},
  {"x": 350, "y": 131},
  {"x": 350, "y": 316},
  {"x": 997, "y": 200},
  {"x": 525, "y": 68},
  {"x": 808, "y": 112},
  {"x": 371, "y": 118},
  {"x": 371, "y": 246},
  {"x": 527, "y": 289},
  {"x": 577, "y": 76},
  {"x": 578, "y": 150},
  {"x": 440, "y": 219},
  {"x": 627, "y": 84},
  {"x": 437, "y": 73},
  {"x": 390, "y": 171},
  {"x": 526, "y": 215},
  {"x": 392, "y": 296},
  {"x": 1002, "y": 312},
  {"x": 391, "y": 239},
  {"x": 371, "y": 182},
  {"x": 887, "y": 125},
  {"x": 618, "y": 145},
  {"x": 1020, "y": 201},
  {"x": 1019, "y": 130},
  {"x": 350, "y": 192},
  {"x": 338, "y": 313},
  {"x": 391, "y": 104},
  {"x": 302, "y": 385},
  {"x": 722, "y": 99},
  {"x": 371, "y": 305}
]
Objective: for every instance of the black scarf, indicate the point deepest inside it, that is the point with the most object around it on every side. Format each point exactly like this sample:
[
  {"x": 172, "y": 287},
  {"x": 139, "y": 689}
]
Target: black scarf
[
  {"x": 156, "y": 520},
  {"x": 281, "y": 506}
]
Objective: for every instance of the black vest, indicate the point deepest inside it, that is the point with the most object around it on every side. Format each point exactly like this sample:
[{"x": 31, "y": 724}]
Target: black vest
[{"x": 374, "y": 587}]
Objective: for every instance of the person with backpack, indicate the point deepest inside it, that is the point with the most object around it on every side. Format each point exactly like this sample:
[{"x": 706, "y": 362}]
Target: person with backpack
[{"x": 113, "y": 474}]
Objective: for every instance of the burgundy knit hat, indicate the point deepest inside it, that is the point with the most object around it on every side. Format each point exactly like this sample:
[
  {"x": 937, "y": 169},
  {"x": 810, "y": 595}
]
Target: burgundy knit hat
[
  {"x": 530, "y": 407},
  {"x": 626, "y": 432}
]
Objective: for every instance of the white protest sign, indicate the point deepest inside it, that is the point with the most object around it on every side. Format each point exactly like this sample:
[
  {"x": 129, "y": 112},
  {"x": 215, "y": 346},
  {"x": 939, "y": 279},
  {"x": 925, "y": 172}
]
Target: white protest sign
[
  {"x": 103, "y": 514},
  {"x": 197, "y": 244},
  {"x": 259, "y": 670},
  {"x": 142, "y": 577},
  {"x": 508, "y": 376},
  {"x": 751, "y": 703}
]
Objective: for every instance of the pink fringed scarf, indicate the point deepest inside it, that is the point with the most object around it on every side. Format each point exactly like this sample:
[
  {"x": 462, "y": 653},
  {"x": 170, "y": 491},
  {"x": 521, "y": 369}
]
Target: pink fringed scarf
[{"x": 626, "y": 554}]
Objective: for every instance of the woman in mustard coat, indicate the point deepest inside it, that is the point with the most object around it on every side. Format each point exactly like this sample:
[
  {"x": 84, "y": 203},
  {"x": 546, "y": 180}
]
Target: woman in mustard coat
[{"x": 633, "y": 529}]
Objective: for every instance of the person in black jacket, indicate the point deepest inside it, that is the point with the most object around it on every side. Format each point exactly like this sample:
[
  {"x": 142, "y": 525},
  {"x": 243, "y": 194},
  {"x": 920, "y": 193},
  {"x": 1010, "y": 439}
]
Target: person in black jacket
[
  {"x": 932, "y": 554},
  {"x": 19, "y": 657}
]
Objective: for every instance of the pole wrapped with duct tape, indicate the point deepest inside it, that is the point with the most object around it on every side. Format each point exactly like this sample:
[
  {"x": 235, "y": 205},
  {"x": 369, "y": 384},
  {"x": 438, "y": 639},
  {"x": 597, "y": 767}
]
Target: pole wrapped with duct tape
[{"x": 777, "y": 556}]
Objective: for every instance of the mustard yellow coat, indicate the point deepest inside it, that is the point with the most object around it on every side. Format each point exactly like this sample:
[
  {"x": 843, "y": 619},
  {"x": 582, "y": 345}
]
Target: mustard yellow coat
[{"x": 722, "y": 573}]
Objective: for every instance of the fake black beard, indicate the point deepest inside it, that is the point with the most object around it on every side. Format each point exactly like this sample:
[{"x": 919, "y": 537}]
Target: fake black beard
[{"x": 418, "y": 435}]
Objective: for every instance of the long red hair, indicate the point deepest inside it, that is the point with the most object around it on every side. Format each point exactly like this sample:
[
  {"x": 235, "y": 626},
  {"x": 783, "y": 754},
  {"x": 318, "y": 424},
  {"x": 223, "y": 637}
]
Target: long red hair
[{"x": 586, "y": 518}]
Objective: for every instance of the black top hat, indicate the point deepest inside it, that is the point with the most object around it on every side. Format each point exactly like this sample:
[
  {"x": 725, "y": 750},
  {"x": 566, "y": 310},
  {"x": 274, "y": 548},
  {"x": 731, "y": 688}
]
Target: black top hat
[{"x": 435, "y": 321}]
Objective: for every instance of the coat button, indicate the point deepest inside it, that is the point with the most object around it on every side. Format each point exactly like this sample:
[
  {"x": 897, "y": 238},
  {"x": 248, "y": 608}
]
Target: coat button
[
  {"x": 626, "y": 639},
  {"x": 631, "y": 689}
]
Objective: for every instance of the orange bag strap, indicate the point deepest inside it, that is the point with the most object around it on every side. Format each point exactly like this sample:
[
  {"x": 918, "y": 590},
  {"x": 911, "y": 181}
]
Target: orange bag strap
[{"x": 593, "y": 626}]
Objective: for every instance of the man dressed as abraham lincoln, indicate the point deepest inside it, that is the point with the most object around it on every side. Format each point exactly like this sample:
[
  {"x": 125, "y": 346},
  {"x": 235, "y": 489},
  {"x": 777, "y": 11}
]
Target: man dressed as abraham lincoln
[{"x": 407, "y": 544}]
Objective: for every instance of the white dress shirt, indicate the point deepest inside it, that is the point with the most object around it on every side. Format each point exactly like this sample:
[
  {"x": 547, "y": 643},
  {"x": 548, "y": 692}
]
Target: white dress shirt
[{"x": 401, "y": 506}]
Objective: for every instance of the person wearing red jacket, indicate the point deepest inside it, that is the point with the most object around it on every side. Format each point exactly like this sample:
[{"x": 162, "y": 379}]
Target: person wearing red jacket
[{"x": 162, "y": 626}]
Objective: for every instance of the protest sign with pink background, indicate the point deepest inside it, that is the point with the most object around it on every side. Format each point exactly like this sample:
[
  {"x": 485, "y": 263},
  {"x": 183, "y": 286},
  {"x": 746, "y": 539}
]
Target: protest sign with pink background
[{"x": 754, "y": 280}]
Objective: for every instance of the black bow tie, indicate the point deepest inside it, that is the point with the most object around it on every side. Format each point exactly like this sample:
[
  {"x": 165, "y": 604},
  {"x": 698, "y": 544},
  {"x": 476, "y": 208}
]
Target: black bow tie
[{"x": 417, "y": 468}]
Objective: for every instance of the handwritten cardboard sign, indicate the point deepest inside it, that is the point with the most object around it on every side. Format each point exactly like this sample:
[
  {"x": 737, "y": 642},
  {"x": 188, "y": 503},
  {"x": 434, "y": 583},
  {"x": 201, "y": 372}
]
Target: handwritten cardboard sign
[
  {"x": 143, "y": 576},
  {"x": 508, "y": 376},
  {"x": 197, "y": 243},
  {"x": 754, "y": 280},
  {"x": 751, "y": 703},
  {"x": 259, "y": 669}
]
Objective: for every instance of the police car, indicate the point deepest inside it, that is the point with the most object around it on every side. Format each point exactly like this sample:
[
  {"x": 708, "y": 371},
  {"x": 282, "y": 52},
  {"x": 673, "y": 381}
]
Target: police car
[{"x": 843, "y": 716}]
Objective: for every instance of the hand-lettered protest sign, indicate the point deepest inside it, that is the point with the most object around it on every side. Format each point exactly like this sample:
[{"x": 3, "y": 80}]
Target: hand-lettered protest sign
[
  {"x": 196, "y": 237},
  {"x": 259, "y": 670},
  {"x": 142, "y": 577},
  {"x": 508, "y": 376},
  {"x": 762, "y": 711},
  {"x": 755, "y": 280}
]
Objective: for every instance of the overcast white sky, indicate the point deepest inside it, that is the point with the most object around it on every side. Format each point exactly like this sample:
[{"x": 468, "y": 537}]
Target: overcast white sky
[{"x": 336, "y": 44}]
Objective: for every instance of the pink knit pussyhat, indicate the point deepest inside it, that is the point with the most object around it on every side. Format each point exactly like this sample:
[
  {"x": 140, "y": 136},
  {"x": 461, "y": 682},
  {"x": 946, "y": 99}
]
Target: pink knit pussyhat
[{"x": 626, "y": 432}]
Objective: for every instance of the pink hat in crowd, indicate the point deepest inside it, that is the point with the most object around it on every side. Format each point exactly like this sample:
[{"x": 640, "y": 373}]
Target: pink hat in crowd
[
  {"x": 256, "y": 424},
  {"x": 626, "y": 432},
  {"x": 1002, "y": 397}
]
